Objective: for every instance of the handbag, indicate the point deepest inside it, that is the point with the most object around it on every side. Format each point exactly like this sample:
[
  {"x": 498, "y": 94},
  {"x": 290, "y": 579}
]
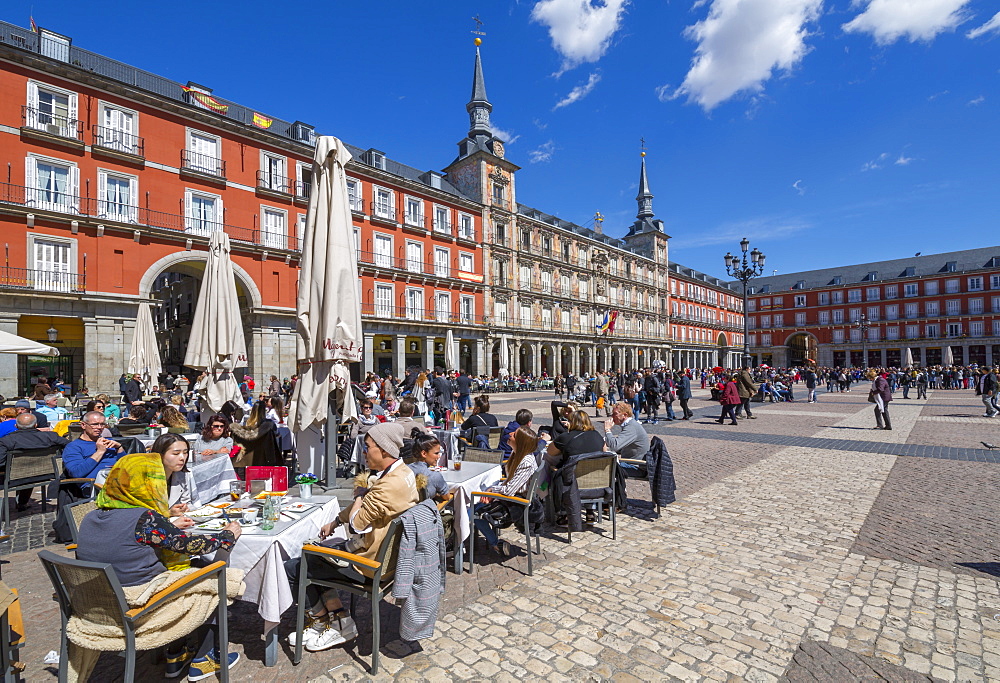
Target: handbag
[
  {"x": 497, "y": 514},
  {"x": 871, "y": 396}
]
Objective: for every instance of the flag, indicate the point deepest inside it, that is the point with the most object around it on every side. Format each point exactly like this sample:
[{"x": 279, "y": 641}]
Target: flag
[
  {"x": 34, "y": 26},
  {"x": 261, "y": 121},
  {"x": 603, "y": 325},
  {"x": 614, "y": 319},
  {"x": 206, "y": 100}
]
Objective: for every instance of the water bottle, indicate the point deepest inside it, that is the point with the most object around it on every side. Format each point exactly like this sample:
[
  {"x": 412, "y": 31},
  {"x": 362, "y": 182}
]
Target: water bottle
[{"x": 267, "y": 515}]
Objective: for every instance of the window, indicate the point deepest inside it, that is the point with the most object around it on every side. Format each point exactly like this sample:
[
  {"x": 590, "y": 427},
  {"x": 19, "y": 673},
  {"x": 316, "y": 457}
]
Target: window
[
  {"x": 975, "y": 306},
  {"x": 912, "y": 310},
  {"x": 838, "y": 336},
  {"x": 203, "y": 153},
  {"x": 466, "y": 227},
  {"x": 751, "y": 304},
  {"x": 765, "y": 340},
  {"x": 385, "y": 203},
  {"x": 765, "y": 303},
  {"x": 52, "y": 185},
  {"x": 442, "y": 266},
  {"x": 872, "y": 293},
  {"x": 932, "y": 308},
  {"x": 584, "y": 290},
  {"x": 873, "y": 334},
  {"x": 800, "y": 300},
  {"x": 892, "y": 333},
  {"x": 565, "y": 252},
  {"x": 855, "y": 335},
  {"x": 892, "y": 312},
  {"x": 932, "y": 331},
  {"x": 855, "y": 315},
  {"x": 500, "y": 312},
  {"x": 525, "y": 277},
  {"x": 952, "y": 286},
  {"x": 800, "y": 319},
  {"x": 203, "y": 212},
  {"x": 838, "y": 316},
  {"x": 976, "y": 328},
  {"x": 465, "y": 263},
  {"x": 442, "y": 306},
  {"x": 51, "y": 109},
  {"x": 467, "y": 309},
  {"x": 498, "y": 194},
  {"x": 838, "y": 296},
  {"x": 525, "y": 315},
  {"x": 500, "y": 232},
  {"x": 995, "y": 304},
  {"x": 891, "y": 291},
  {"x": 414, "y": 304},
  {"x": 765, "y": 322},
  {"x": 779, "y": 301},
  {"x": 824, "y": 298},
  {"x": 853, "y": 295},
  {"x": 383, "y": 301},
  {"x": 994, "y": 281},
  {"x": 442, "y": 220},
  {"x": 414, "y": 212},
  {"x": 118, "y": 130},
  {"x": 117, "y": 197},
  {"x": 383, "y": 251},
  {"x": 565, "y": 319},
  {"x": 303, "y": 186},
  {"x": 953, "y": 306},
  {"x": 526, "y": 240},
  {"x": 273, "y": 228},
  {"x": 912, "y": 331},
  {"x": 931, "y": 288},
  {"x": 975, "y": 284},
  {"x": 414, "y": 257},
  {"x": 779, "y": 319},
  {"x": 564, "y": 284},
  {"x": 824, "y": 317},
  {"x": 547, "y": 281},
  {"x": 272, "y": 172},
  {"x": 547, "y": 318},
  {"x": 910, "y": 289},
  {"x": 585, "y": 322},
  {"x": 954, "y": 330},
  {"x": 354, "y": 197},
  {"x": 52, "y": 263},
  {"x": 996, "y": 328},
  {"x": 873, "y": 312}
]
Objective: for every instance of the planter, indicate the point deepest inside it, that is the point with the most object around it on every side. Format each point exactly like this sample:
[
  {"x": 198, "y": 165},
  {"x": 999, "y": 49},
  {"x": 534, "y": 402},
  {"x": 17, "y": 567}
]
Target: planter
[{"x": 306, "y": 491}]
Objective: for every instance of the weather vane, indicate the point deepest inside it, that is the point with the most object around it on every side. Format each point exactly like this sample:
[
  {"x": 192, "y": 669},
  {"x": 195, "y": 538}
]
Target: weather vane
[
  {"x": 642, "y": 144},
  {"x": 598, "y": 218},
  {"x": 478, "y": 30}
]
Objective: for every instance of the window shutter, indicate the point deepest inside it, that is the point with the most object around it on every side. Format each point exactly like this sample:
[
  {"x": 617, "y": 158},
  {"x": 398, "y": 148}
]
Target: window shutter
[
  {"x": 187, "y": 209},
  {"x": 220, "y": 216},
  {"x": 72, "y": 111},
  {"x": 30, "y": 181},
  {"x": 102, "y": 193},
  {"x": 133, "y": 199},
  {"x": 74, "y": 188}
]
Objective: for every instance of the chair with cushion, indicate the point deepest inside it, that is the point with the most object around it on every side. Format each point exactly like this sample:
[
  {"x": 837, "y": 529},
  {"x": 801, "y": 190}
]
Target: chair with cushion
[
  {"x": 595, "y": 479},
  {"x": 494, "y": 437},
  {"x": 514, "y": 501},
  {"x": 11, "y": 634},
  {"x": 27, "y": 468},
  {"x": 135, "y": 429},
  {"x": 90, "y": 591},
  {"x": 482, "y": 455},
  {"x": 375, "y": 588}
]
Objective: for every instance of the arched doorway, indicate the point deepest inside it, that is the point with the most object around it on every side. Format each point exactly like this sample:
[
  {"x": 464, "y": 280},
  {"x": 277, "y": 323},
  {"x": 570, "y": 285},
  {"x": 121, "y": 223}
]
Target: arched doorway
[{"x": 801, "y": 346}]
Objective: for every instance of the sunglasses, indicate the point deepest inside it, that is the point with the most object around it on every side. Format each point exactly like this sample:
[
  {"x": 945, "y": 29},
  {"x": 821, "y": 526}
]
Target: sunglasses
[{"x": 218, "y": 426}]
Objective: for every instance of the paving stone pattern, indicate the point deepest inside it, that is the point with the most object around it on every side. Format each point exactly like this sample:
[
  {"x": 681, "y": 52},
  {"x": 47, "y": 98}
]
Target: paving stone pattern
[{"x": 822, "y": 663}]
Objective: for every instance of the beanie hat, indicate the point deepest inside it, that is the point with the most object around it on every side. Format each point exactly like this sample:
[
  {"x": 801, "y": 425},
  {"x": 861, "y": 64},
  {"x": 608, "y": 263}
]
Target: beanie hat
[{"x": 388, "y": 436}]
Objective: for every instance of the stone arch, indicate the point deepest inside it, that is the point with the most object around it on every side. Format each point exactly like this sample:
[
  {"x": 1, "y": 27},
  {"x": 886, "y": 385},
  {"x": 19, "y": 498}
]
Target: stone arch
[
  {"x": 801, "y": 345},
  {"x": 181, "y": 259},
  {"x": 723, "y": 341}
]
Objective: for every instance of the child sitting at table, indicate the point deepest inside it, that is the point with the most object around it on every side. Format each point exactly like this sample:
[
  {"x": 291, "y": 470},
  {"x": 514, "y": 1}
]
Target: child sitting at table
[{"x": 426, "y": 450}]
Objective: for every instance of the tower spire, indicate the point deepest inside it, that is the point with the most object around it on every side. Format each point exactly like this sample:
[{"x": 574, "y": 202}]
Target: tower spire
[
  {"x": 479, "y": 106},
  {"x": 645, "y": 197}
]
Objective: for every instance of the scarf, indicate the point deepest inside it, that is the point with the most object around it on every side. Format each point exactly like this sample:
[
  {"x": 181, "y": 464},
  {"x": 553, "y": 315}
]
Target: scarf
[{"x": 139, "y": 481}]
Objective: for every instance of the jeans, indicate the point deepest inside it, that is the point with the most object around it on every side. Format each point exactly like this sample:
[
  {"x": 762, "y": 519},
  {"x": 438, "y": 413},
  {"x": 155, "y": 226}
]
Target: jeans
[
  {"x": 906, "y": 391},
  {"x": 670, "y": 412},
  {"x": 464, "y": 402},
  {"x": 988, "y": 402},
  {"x": 318, "y": 570},
  {"x": 812, "y": 394},
  {"x": 485, "y": 528},
  {"x": 636, "y": 406}
]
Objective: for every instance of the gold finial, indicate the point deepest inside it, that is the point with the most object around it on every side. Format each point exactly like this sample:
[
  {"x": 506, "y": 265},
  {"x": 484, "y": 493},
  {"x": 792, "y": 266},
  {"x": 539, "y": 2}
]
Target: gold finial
[
  {"x": 642, "y": 143},
  {"x": 478, "y": 30}
]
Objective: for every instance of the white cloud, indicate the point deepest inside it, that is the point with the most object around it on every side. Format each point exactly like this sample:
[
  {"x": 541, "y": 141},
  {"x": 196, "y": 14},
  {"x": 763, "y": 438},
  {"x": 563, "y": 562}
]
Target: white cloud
[
  {"x": 505, "y": 135},
  {"x": 889, "y": 20},
  {"x": 543, "y": 154},
  {"x": 664, "y": 92},
  {"x": 978, "y": 100},
  {"x": 798, "y": 187},
  {"x": 937, "y": 95},
  {"x": 580, "y": 91},
  {"x": 903, "y": 160},
  {"x": 581, "y": 30},
  {"x": 741, "y": 43},
  {"x": 876, "y": 163},
  {"x": 539, "y": 124},
  {"x": 991, "y": 26}
]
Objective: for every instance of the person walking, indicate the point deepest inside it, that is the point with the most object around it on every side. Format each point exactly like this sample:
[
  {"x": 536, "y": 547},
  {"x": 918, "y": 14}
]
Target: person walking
[
  {"x": 683, "y": 383},
  {"x": 811, "y": 379},
  {"x": 988, "y": 388},
  {"x": 729, "y": 399},
  {"x": 880, "y": 395},
  {"x": 921, "y": 384},
  {"x": 747, "y": 389}
]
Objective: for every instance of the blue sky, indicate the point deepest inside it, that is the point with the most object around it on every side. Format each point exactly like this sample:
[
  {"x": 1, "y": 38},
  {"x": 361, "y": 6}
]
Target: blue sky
[{"x": 826, "y": 131}]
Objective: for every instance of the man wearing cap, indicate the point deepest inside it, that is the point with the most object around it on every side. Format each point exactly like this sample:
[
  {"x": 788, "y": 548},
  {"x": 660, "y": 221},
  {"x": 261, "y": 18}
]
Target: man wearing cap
[
  {"x": 24, "y": 406},
  {"x": 391, "y": 491}
]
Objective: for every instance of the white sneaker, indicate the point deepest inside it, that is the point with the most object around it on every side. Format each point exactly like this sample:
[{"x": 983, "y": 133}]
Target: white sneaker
[
  {"x": 314, "y": 627},
  {"x": 334, "y": 636}
]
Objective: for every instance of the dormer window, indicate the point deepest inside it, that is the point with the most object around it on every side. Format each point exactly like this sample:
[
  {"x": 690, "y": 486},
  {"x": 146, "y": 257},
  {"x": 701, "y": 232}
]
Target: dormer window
[
  {"x": 872, "y": 276},
  {"x": 951, "y": 266},
  {"x": 303, "y": 132},
  {"x": 375, "y": 159},
  {"x": 837, "y": 280},
  {"x": 910, "y": 271}
]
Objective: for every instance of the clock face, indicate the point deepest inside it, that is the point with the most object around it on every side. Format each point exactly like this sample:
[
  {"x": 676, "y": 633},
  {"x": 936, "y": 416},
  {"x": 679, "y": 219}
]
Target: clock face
[{"x": 498, "y": 148}]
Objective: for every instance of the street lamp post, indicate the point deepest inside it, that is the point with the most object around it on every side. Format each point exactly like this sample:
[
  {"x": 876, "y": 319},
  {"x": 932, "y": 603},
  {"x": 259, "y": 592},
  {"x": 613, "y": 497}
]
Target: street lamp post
[
  {"x": 862, "y": 324},
  {"x": 744, "y": 271}
]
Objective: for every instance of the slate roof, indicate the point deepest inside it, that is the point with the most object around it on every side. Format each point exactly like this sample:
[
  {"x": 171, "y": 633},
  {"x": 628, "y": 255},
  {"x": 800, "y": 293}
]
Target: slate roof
[{"x": 923, "y": 266}]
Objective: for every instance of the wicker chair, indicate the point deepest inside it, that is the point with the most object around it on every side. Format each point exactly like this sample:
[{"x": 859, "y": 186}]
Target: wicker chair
[
  {"x": 524, "y": 503},
  {"x": 138, "y": 429},
  {"x": 11, "y": 634},
  {"x": 494, "y": 437},
  {"x": 91, "y": 591},
  {"x": 375, "y": 588},
  {"x": 25, "y": 469},
  {"x": 74, "y": 513},
  {"x": 597, "y": 473},
  {"x": 482, "y": 455}
]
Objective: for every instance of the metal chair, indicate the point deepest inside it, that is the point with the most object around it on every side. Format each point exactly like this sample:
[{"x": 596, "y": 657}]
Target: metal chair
[
  {"x": 74, "y": 514},
  {"x": 374, "y": 588},
  {"x": 525, "y": 503},
  {"x": 596, "y": 474},
  {"x": 494, "y": 437},
  {"x": 137, "y": 429},
  {"x": 27, "y": 468},
  {"x": 91, "y": 591},
  {"x": 11, "y": 634},
  {"x": 482, "y": 455}
]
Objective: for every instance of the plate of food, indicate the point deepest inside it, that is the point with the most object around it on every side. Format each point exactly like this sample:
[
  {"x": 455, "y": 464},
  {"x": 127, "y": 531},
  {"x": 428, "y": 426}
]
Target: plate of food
[
  {"x": 267, "y": 494},
  {"x": 212, "y": 525},
  {"x": 206, "y": 511},
  {"x": 222, "y": 506},
  {"x": 296, "y": 507}
]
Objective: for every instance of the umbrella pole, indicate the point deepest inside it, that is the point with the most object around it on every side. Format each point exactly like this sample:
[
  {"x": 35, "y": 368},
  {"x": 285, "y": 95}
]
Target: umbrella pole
[{"x": 332, "y": 423}]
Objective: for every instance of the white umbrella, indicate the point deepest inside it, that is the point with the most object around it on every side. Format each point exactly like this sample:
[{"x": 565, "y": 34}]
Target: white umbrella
[
  {"x": 144, "y": 357},
  {"x": 450, "y": 357},
  {"x": 504, "y": 355},
  {"x": 908, "y": 358},
  {"x": 949, "y": 357},
  {"x": 328, "y": 308},
  {"x": 218, "y": 345},
  {"x": 11, "y": 343}
]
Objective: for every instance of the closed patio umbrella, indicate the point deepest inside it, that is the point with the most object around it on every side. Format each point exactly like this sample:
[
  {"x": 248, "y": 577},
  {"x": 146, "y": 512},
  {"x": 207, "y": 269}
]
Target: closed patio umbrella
[
  {"x": 11, "y": 343},
  {"x": 949, "y": 357},
  {"x": 144, "y": 357},
  {"x": 450, "y": 357},
  {"x": 328, "y": 311},
  {"x": 504, "y": 355},
  {"x": 217, "y": 344},
  {"x": 908, "y": 358}
]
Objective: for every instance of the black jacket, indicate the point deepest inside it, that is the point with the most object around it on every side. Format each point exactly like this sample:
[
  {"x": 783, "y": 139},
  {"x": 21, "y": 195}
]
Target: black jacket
[
  {"x": 660, "y": 473},
  {"x": 133, "y": 392},
  {"x": 23, "y": 439}
]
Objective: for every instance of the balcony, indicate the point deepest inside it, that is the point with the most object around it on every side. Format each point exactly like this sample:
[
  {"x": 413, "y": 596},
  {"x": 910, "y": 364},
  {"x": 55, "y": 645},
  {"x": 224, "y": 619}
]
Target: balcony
[
  {"x": 384, "y": 212},
  {"x": 385, "y": 311},
  {"x": 51, "y": 127},
  {"x": 118, "y": 144},
  {"x": 467, "y": 232},
  {"x": 303, "y": 189},
  {"x": 64, "y": 203},
  {"x": 203, "y": 166},
  {"x": 442, "y": 228},
  {"x": 24, "y": 279},
  {"x": 273, "y": 184}
]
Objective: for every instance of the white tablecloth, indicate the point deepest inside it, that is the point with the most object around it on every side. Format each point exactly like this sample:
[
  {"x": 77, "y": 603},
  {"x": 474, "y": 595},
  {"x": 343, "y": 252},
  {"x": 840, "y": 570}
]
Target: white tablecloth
[
  {"x": 474, "y": 476},
  {"x": 210, "y": 479},
  {"x": 262, "y": 555},
  {"x": 148, "y": 441}
]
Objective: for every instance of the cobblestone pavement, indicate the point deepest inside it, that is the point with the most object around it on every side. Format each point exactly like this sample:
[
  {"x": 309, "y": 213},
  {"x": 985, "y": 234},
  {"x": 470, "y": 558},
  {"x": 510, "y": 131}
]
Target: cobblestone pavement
[{"x": 778, "y": 561}]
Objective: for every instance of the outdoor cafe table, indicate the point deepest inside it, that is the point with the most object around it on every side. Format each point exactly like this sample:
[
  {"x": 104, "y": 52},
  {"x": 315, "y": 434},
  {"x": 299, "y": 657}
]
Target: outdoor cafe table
[
  {"x": 474, "y": 476},
  {"x": 148, "y": 441},
  {"x": 262, "y": 554}
]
